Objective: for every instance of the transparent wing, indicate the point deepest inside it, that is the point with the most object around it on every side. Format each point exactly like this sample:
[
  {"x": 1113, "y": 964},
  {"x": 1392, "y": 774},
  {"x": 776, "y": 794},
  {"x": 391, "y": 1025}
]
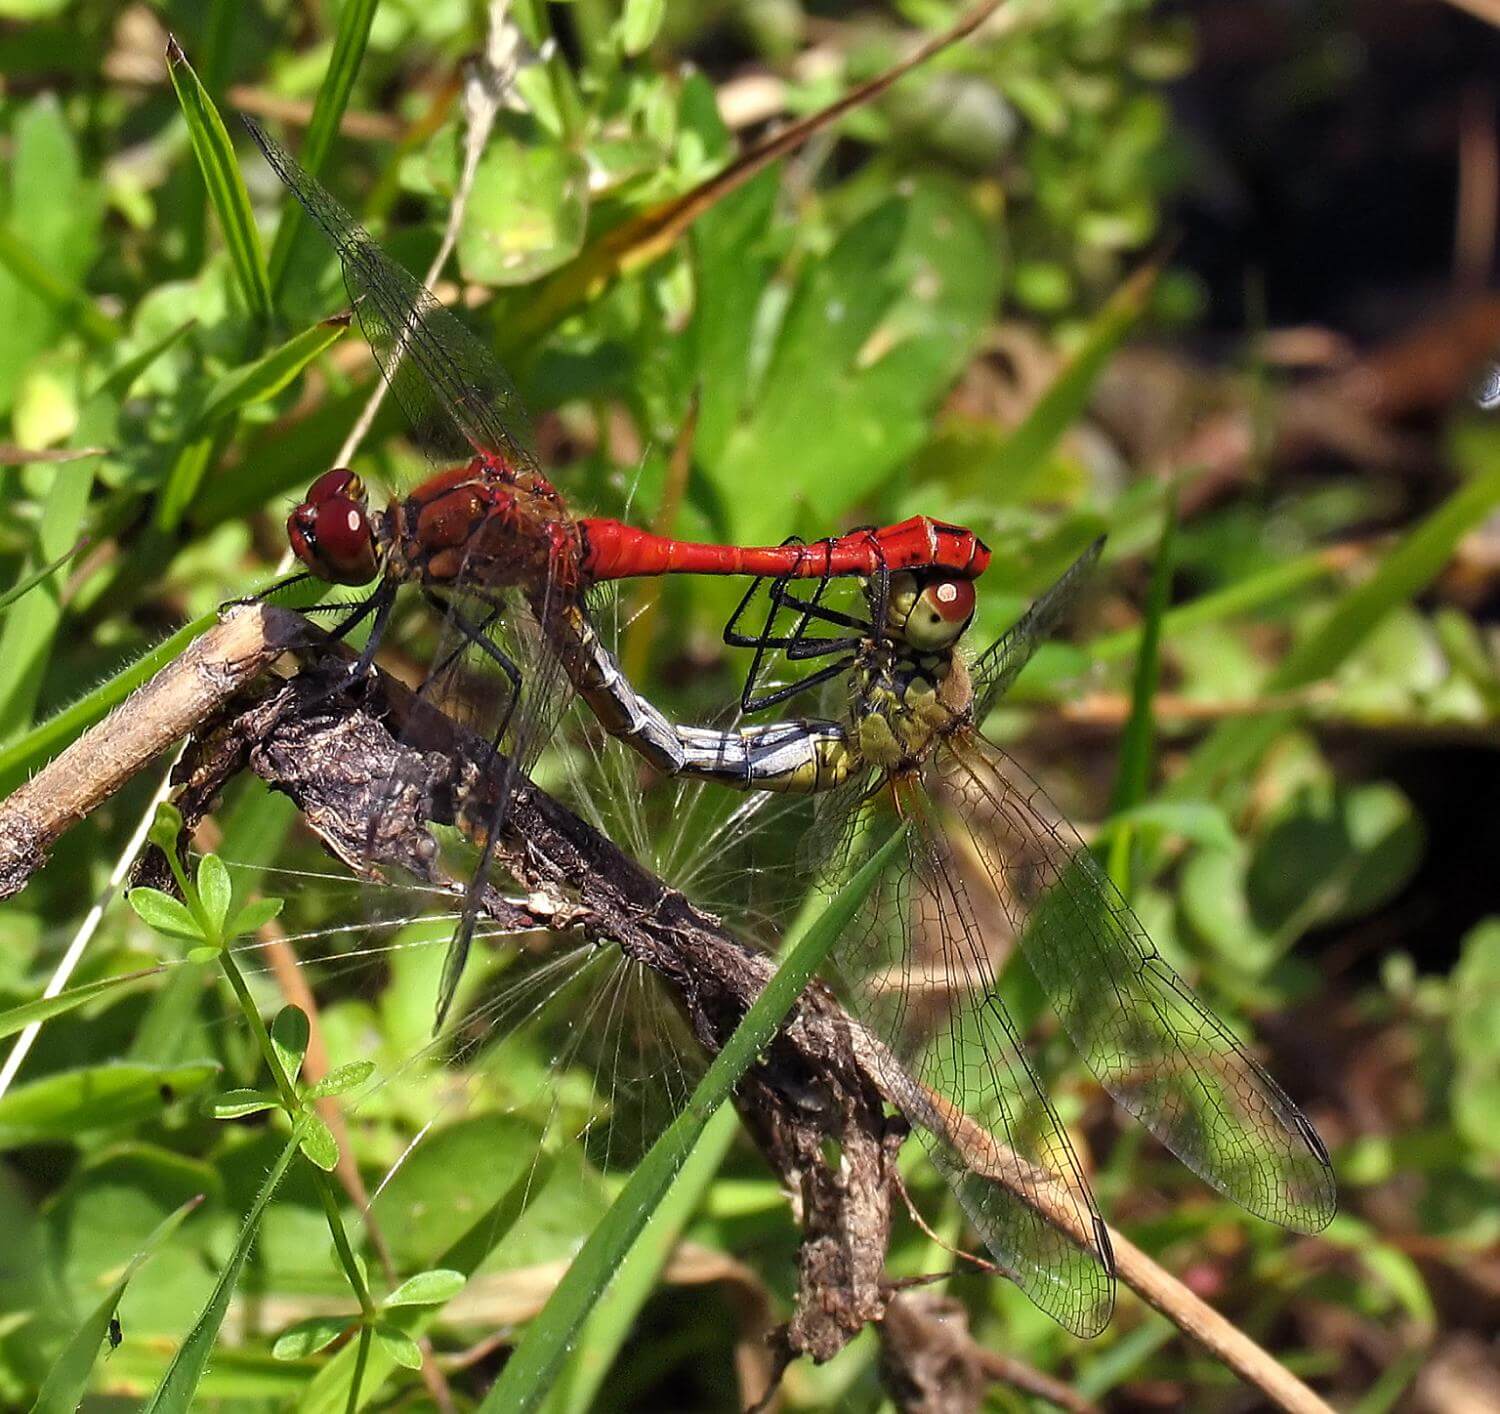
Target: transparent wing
[
  {"x": 455, "y": 395},
  {"x": 516, "y": 713},
  {"x": 1153, "y": 1045},
  {"x": 917, "y": 974},
  {"x": 1000, "y": 664}
]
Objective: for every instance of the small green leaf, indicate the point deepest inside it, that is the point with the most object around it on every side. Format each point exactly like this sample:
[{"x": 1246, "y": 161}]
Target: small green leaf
[
  {"x": 289, "y": 1033},
  {"x": 233, "y": 1104},
  {"x": 399, "y": 1346},
  {"x": 427, "y": 1289},
  {"x": 318, "y": 1142},
  {"x": 214, "y": 890},
  {"x": 204, "y": 954},
  {"x": 164, "y": 913},
  {"x": 253, "y": 917},
  {"x": 1200, "y": 821},
  {"x": 310, "y": 1336},
  {"x": 342, "y": 1078},
  {"x": 640, "y": 23},
  {"x": 166, "y": 826}
]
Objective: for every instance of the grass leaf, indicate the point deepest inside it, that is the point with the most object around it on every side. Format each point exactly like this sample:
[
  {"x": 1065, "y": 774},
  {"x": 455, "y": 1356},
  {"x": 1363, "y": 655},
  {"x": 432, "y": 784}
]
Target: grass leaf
[
  {"x": 177, "y": 1391},
  {"x": 226, "y": 187},
  {"x": 17, "y": 1018},
  {"x": 67, "y": 1381}
]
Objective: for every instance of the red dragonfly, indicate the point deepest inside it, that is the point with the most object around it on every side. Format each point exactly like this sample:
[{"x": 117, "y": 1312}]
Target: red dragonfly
[{"x": 491, "y": 544}]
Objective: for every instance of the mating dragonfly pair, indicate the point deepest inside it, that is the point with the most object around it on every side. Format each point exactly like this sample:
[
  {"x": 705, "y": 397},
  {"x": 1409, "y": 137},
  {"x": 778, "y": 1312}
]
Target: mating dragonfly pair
[{"x": 490, "y": 543}]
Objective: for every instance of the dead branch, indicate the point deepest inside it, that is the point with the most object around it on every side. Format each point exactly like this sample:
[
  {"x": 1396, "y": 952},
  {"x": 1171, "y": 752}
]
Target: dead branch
[{"x": 372, "y": 769}]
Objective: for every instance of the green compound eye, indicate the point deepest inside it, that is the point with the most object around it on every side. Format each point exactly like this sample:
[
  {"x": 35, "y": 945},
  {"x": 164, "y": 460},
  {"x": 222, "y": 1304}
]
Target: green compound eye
[{"x": 942, "y": 612}]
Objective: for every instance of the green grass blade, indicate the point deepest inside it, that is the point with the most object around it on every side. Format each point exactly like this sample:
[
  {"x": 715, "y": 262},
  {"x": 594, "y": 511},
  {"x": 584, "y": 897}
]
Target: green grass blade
[
  {"x": 18, "y": 1018},
  {"x": 67, "y": 1381},
  {"x": 226, "y": 187},
  {"x": 176, "y": 1392},
  {"x": 608, "y": 1328},
  {"x": 355, "y": 19},
  {"x": 531, "y": 1369},
  {"x": 26, "y": 641},
  {"x": 74, "y": 307},
  {"x": 267, "y": 376},
  {"x": 1028, "y": 447},
  {"x": 30, "y": 582},
  {"x": 1405, "y": 571},
  {"x": 1137, "y": 745}
]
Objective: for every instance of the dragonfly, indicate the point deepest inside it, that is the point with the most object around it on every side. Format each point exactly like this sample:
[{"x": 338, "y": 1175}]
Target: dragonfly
[
  {"x": 492, "y": 546},
  {"x": 983, "y": 841}
]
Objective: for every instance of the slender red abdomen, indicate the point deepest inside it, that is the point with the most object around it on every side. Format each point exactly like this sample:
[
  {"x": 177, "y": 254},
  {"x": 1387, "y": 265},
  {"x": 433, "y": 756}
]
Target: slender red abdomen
[{"x": 613, "y": 550}]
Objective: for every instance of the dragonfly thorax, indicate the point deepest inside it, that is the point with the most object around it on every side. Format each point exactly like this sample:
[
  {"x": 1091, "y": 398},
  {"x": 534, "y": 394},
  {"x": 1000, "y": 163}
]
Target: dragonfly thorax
[{"x": 902, "y": 702}]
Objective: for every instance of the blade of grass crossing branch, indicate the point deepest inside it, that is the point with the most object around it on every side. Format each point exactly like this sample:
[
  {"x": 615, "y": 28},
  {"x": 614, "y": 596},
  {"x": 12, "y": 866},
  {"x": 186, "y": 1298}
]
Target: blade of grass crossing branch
[
  {"x": 355, "y": 19},
  {"x": 1138, "y": 744},
  {"x": 609, "y": 1326},
  {"x": 67, "y": 1381},
  {"x": 175, "y": 1394},
  {"x": 1403, "y": 574},
  {"x": 533, "y": 1367},
  {"x": 226, "y": 187}
]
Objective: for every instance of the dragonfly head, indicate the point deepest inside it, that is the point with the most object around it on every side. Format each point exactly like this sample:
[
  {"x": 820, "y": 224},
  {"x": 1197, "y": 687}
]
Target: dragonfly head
[
  {"x": 330, "y": 531},
  {"x": 929, "y": 612}
]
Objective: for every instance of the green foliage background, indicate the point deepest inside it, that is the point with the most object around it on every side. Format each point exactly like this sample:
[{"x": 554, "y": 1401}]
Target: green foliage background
[{"x": 838, "y": 321}]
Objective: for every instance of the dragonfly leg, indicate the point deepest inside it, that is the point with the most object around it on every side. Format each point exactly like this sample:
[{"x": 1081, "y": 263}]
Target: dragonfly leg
[{"x": 265, "y": 594}]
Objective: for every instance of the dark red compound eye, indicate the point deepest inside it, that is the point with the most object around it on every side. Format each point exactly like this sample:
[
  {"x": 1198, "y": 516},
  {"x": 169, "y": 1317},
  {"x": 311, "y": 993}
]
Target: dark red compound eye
[
  {"x": 341, "y": 532},
  {"x": 339, "y": 482},
  {"x": 952, "y": 599}
]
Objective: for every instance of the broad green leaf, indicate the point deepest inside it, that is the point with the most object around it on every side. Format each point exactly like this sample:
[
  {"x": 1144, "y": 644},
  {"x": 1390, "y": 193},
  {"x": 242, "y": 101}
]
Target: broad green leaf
[
  {"x": 49, "y": 234},
  {"x": 527, "y": 213},
  {"x": 177, "y": 1392},
  {"x": 17, "y": 1018},
  {"x": 215, "y": 892},
  {"x": 70, "y": 1103},
  {"x": 1474, "y": 1033},
  {"x": 342, "y": 1078},
  {"x": 67, "y": 1381},
  {"x": 427, "y": 1289},
  {"x": 310, "y": 1336},
  {"x": 1200, "y": 821},
  {"x": 873, "y": 336},
  {"x": 289, "y": 1037},
  {"x": 226, "y": 187},
  {"x": 531, "y": 1369},
  {"x": 318, "y": 1142},
  {"x": 166, "y": 914}
]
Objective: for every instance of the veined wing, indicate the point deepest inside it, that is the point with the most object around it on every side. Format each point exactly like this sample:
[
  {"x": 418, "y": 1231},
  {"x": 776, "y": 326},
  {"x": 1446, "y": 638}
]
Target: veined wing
[
  {"x": 518, "y": 717},
  {"x": 993, "y": 672},
  {"x": 956, "y": 1068},
  {"x": 1154, "y": 1046},
  {"x": 455, "y": 395}
]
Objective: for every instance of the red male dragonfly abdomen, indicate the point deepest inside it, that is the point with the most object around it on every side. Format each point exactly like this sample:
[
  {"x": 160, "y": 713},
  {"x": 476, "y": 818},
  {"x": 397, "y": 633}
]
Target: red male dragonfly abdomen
[{"x": 614, "y": 550}]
